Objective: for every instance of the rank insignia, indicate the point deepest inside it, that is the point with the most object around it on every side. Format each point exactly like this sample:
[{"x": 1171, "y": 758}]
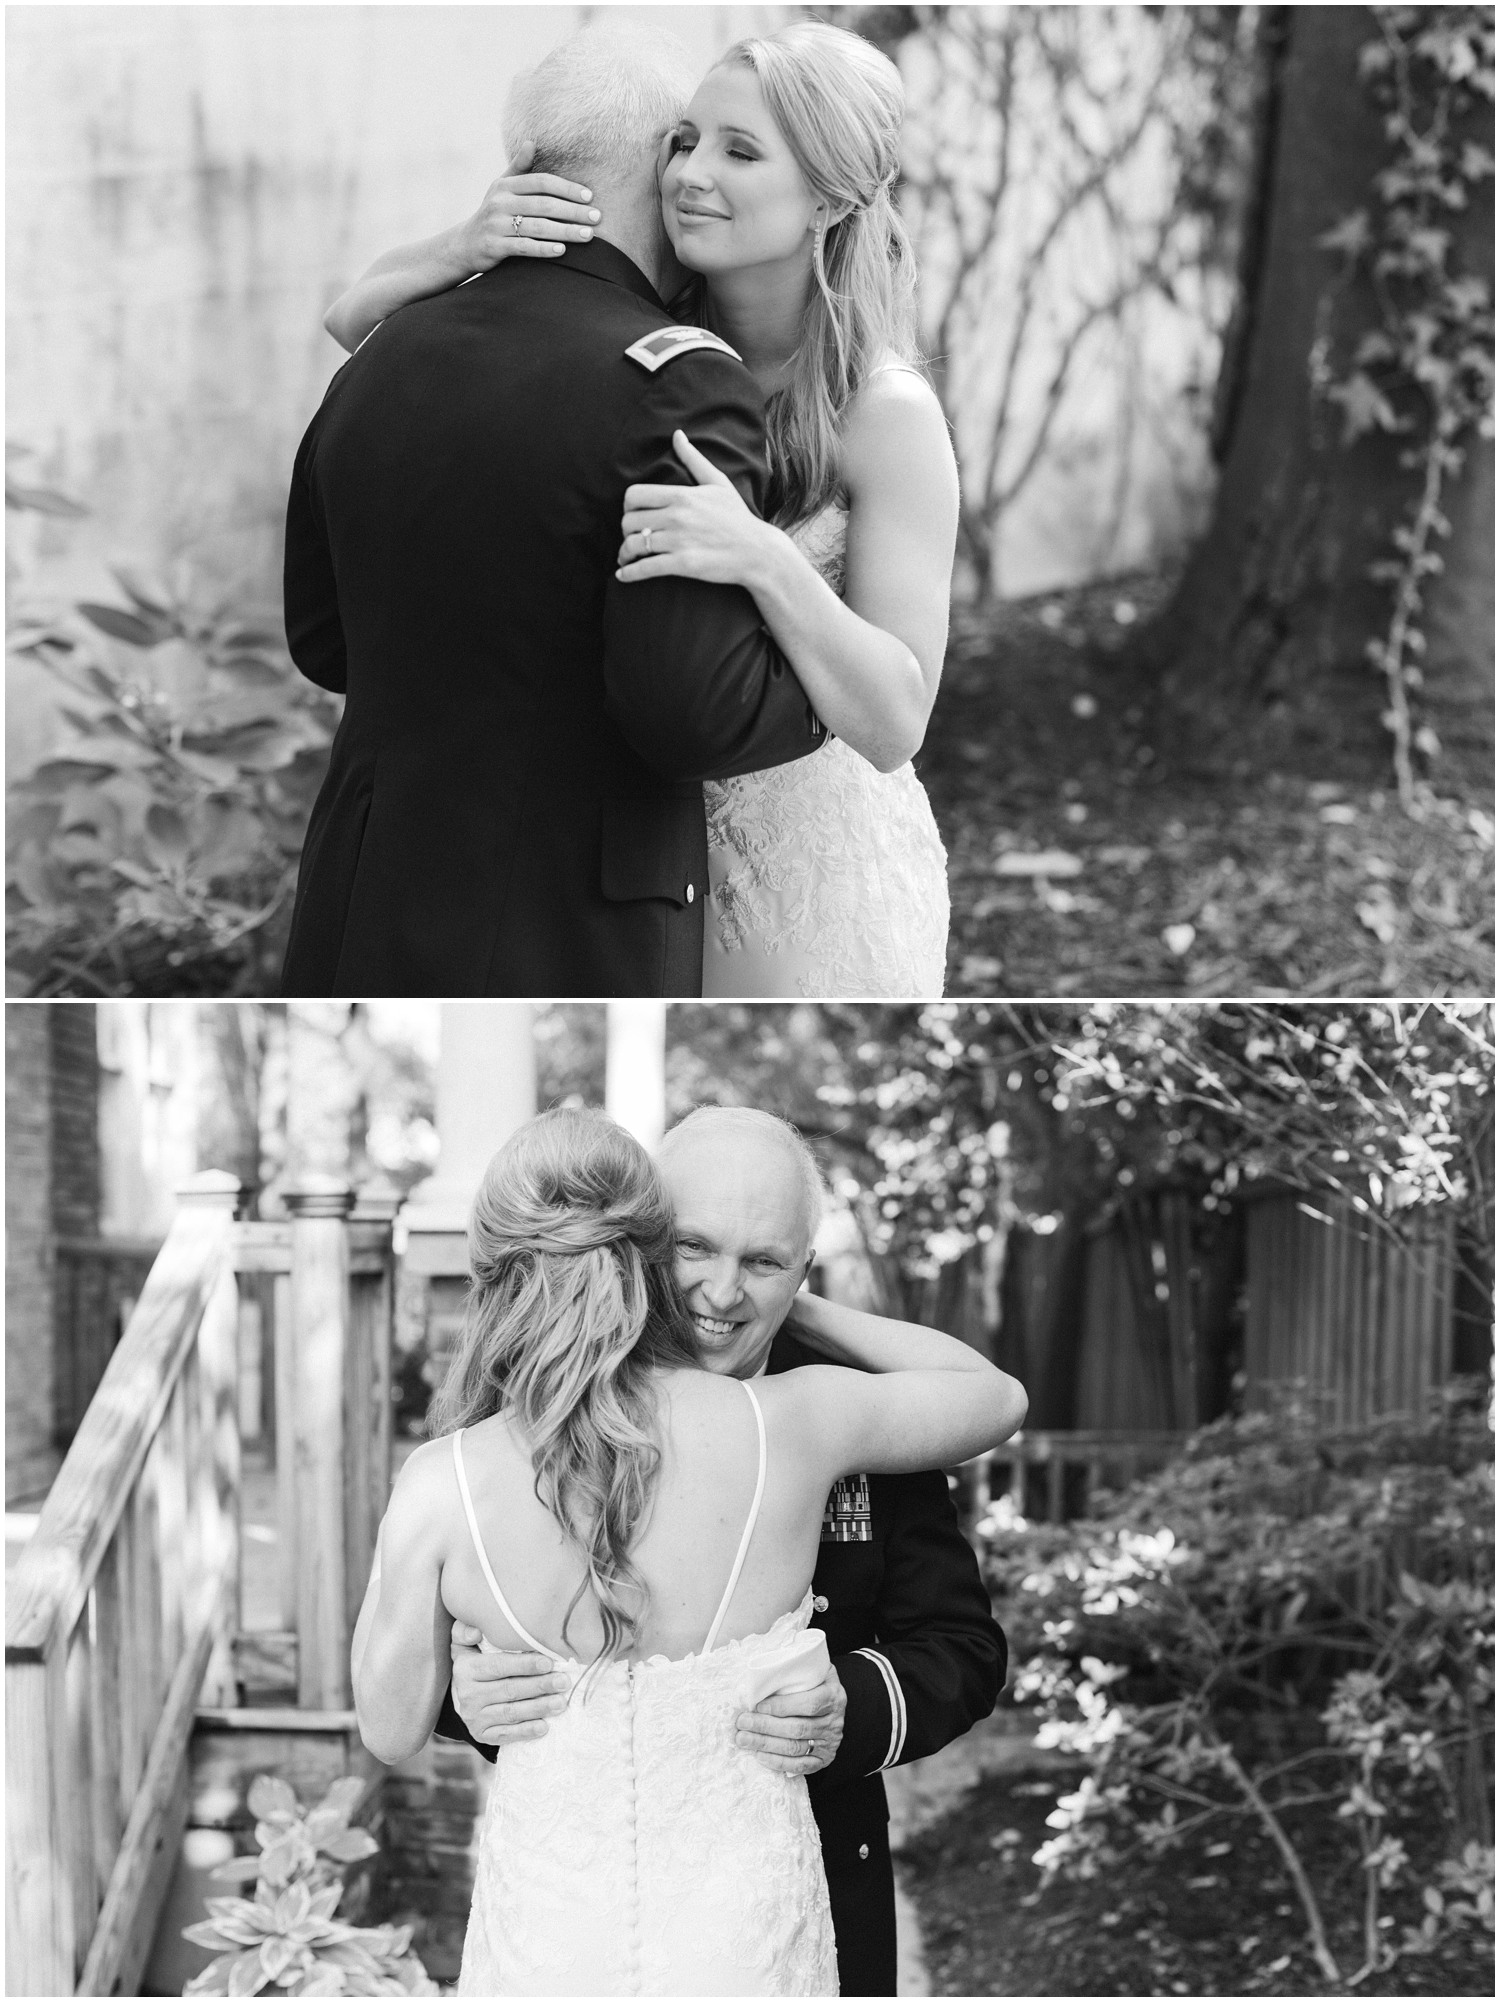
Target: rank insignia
[
  {"x": 846, "y": 1515},
  {"x": 658, "y": 348}
]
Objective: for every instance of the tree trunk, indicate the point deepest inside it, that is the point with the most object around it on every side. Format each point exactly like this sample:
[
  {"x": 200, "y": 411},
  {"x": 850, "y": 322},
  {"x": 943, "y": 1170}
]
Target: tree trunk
[{"x": 1276, "y": 607}]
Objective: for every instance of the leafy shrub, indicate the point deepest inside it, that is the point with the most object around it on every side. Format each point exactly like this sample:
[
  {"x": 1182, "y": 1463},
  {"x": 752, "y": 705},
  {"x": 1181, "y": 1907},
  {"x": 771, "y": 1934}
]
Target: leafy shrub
[
  {"x": 157, "y": 853},
  {"x": 1281, "y": 1620},
  {"x": 286, "y": 1936}
]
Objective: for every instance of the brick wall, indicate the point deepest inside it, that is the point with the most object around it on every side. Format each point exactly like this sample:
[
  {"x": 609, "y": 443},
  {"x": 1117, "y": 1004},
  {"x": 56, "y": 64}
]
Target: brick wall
[
  {"x": 433, "y": 1804},
  {"x": 75, "y": 1118},
  {"x": 30, "y": 1459}
]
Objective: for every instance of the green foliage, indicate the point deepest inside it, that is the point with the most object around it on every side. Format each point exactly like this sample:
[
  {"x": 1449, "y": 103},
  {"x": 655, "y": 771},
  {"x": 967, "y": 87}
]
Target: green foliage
[
  {"x": 1180, "y": 1642},
  {"x": 157, "y": 852},
  {"x": 962, "y": 1107},
  {"x": 947, "y": 1120},
  {"x": 1426, "y": 370},
  {"x": 1389, "y": 1105},
  {"x": 286, "y": 1936}
]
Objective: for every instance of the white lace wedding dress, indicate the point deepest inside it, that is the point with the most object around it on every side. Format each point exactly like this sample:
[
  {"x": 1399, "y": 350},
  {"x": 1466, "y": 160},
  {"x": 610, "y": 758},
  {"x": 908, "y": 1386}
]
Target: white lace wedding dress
[
  {"x": 634, "y": 1850},
  {"x": 826, "y": 877}
]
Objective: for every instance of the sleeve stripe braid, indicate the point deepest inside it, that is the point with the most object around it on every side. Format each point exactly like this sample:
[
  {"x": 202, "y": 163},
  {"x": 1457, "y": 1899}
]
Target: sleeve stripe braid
[{"x": 898, "y": 1705}]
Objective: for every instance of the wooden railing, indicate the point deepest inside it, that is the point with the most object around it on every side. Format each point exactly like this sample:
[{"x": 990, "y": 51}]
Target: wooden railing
[
  {"x": 1089, "y": 1458},
  {"x": 123, "y": 1611},
  {"x": 118, "y": 1615}
]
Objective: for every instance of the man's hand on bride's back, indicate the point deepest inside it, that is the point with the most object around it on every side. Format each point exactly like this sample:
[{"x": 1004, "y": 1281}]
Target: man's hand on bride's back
[
  {"x": 503, "y": 1696},
  {"x": 552, "y": 213},
  {"x": 799, "y": 1732}
]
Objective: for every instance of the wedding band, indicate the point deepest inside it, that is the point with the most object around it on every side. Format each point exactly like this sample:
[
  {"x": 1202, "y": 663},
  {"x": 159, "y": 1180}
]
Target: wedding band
[
  {"x": 515, "y": 222},
  {"x": 809, "y": 1752},
  {"x": 645, "y": 542}
]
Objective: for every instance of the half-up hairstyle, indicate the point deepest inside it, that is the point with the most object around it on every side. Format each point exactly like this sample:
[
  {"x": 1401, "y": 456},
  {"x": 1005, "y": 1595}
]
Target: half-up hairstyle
[
  {"x": 839, "y": 104},
  {"x": 572, "y": 1306}
]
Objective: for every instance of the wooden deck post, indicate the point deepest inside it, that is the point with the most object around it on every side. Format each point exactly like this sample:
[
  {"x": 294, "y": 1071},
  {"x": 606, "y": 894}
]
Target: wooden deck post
[
  {"x": 367, "y": 1471},
  {"x": 41, "y": 1945},
  {"x": 320, "y": 1311}
]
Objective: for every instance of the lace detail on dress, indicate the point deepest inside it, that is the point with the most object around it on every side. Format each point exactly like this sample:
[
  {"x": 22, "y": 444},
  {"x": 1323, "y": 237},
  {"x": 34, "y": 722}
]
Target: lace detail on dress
[
  {"x": 635, "y": 1850},
  {"x": 826, "y": 877}
]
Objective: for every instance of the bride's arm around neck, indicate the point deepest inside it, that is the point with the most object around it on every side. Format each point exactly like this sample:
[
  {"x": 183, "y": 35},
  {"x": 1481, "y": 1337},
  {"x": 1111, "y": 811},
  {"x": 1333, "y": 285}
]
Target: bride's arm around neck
[
  {"x": 400, "y": 1653},
  {"x": 914, "y": 1398}
]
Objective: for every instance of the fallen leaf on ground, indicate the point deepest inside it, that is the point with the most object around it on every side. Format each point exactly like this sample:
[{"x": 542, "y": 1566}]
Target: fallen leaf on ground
[
  {"x": 1045, "y": 862},
  {"x": 1378, "y": 913}
]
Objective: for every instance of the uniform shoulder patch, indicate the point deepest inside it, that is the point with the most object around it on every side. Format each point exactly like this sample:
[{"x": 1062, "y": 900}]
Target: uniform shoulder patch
[{"x": 659, "y": 348}]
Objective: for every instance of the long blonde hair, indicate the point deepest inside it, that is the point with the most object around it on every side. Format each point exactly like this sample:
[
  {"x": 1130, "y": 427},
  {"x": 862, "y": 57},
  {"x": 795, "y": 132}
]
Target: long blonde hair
[
  {"x": 572, "y": 1306},
  {"x": 839, "y": 104}
]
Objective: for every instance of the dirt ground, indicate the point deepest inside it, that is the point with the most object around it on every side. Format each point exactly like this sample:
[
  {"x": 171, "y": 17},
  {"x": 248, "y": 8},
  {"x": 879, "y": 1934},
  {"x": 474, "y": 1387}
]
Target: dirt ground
[
  {"x": 1291, "y": 872},
  {"x": 1216, "y": 1917}
]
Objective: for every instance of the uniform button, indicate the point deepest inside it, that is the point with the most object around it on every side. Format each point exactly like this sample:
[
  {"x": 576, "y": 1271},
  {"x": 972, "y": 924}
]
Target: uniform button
[
  {"x": 690, "y": 893},
  {"x": 864, "y": 1852},
  {"x": 820, "y": 1604}
]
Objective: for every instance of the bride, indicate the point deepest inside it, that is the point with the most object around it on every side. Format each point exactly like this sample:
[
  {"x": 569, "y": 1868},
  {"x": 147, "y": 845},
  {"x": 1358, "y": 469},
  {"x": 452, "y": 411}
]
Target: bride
[
  {"x": 827, "y": 876},
  {"x": 653, "y": 1526}
]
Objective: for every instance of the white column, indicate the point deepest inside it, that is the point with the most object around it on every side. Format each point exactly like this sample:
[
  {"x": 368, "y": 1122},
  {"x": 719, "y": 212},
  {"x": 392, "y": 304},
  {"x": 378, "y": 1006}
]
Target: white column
[
  {"x": 486, "y": 1086},
  {"x": 635, "y": 1068}
]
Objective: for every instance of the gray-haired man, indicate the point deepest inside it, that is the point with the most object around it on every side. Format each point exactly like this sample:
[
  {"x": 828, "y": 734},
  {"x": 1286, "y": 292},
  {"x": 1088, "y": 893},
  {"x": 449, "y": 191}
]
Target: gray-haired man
[{"x": 513, "y": 804}]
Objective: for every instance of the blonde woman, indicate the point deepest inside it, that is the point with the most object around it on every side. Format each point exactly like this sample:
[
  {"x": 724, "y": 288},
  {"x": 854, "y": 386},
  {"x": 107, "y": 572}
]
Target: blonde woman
[
  {"x": 607, "y": 1499},
  {"x": 827, "y": 876}
]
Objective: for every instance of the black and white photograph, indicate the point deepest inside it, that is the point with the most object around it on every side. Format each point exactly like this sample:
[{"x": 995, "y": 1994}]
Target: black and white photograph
[
  {"x": 750, "y": 1000},
  {"x": 1077, "y": 580},
  {"x": 629, "y": 1499}
]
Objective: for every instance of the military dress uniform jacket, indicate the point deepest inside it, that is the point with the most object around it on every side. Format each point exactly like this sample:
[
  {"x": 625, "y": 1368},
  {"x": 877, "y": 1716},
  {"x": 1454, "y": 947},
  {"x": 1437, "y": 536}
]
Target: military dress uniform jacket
[
  {"x": 911, "y": 1634},
  {"x": 513, "y": 803}
]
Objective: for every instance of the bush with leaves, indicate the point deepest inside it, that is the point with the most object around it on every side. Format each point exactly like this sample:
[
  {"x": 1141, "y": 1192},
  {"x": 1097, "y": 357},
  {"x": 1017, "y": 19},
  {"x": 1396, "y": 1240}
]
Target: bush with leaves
[
  {"x": 156, "y": 853},
  {"x": 1183, "y": 1641},
  {"x": 286, "y": 1936}
]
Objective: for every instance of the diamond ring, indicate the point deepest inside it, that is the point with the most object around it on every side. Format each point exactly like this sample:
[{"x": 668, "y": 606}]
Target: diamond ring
[{"x": 515, "y": 222}]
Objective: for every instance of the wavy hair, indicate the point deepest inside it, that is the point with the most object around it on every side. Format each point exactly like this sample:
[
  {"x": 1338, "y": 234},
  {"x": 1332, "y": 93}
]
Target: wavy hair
[
  {"x": 572, "y": 1306},
  {"x": 839, "y": 104}
]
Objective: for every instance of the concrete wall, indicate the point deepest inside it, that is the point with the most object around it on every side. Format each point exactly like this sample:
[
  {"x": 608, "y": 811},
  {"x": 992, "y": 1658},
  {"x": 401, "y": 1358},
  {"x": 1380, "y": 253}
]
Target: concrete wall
[{"x": 188, "y": 190}]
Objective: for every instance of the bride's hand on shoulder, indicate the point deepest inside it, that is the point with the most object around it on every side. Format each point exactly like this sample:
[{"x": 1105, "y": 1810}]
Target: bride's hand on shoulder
[
  {"x": 704, "y": 531},
  {"x": 526, "y": 215}
]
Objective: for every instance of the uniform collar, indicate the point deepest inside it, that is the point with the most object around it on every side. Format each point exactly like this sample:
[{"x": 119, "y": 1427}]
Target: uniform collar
[
  {"x": 787, "y": 1352},
  {"x": 598, "y": 259}
]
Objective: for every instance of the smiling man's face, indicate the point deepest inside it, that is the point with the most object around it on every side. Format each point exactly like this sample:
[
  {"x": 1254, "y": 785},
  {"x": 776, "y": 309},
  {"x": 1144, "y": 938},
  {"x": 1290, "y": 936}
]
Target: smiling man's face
[{"x": 742, "y": 1240}]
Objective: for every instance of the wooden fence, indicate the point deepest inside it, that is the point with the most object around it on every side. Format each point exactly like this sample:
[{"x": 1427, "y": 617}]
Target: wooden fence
[
  {"x": 1138, "y": 1322},
  {"x": 123, "y": 1611},
  {"x": 1051, "y": 1476},
  {"x": 1356, "y": 1314}
]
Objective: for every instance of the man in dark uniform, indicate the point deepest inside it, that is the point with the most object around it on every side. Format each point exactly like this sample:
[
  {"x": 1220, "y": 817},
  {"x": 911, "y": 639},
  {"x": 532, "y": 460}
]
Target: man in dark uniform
[
  {"x": 513, "y": 804},
  {"x": 917, "y": 1656}
]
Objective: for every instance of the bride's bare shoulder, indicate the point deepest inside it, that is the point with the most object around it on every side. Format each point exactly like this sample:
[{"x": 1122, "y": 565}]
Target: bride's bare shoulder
[{"x": 893, "y": 425}]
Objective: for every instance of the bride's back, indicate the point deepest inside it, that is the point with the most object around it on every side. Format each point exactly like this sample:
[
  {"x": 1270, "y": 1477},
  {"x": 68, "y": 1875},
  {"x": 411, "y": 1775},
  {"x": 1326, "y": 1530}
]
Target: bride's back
[{"x": 685, "y": 1545}]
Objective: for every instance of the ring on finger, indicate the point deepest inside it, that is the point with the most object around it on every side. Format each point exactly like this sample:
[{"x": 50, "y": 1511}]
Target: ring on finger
[
  {"x": 645, "y": 542},
  {"x": 516, "y": 221}
]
